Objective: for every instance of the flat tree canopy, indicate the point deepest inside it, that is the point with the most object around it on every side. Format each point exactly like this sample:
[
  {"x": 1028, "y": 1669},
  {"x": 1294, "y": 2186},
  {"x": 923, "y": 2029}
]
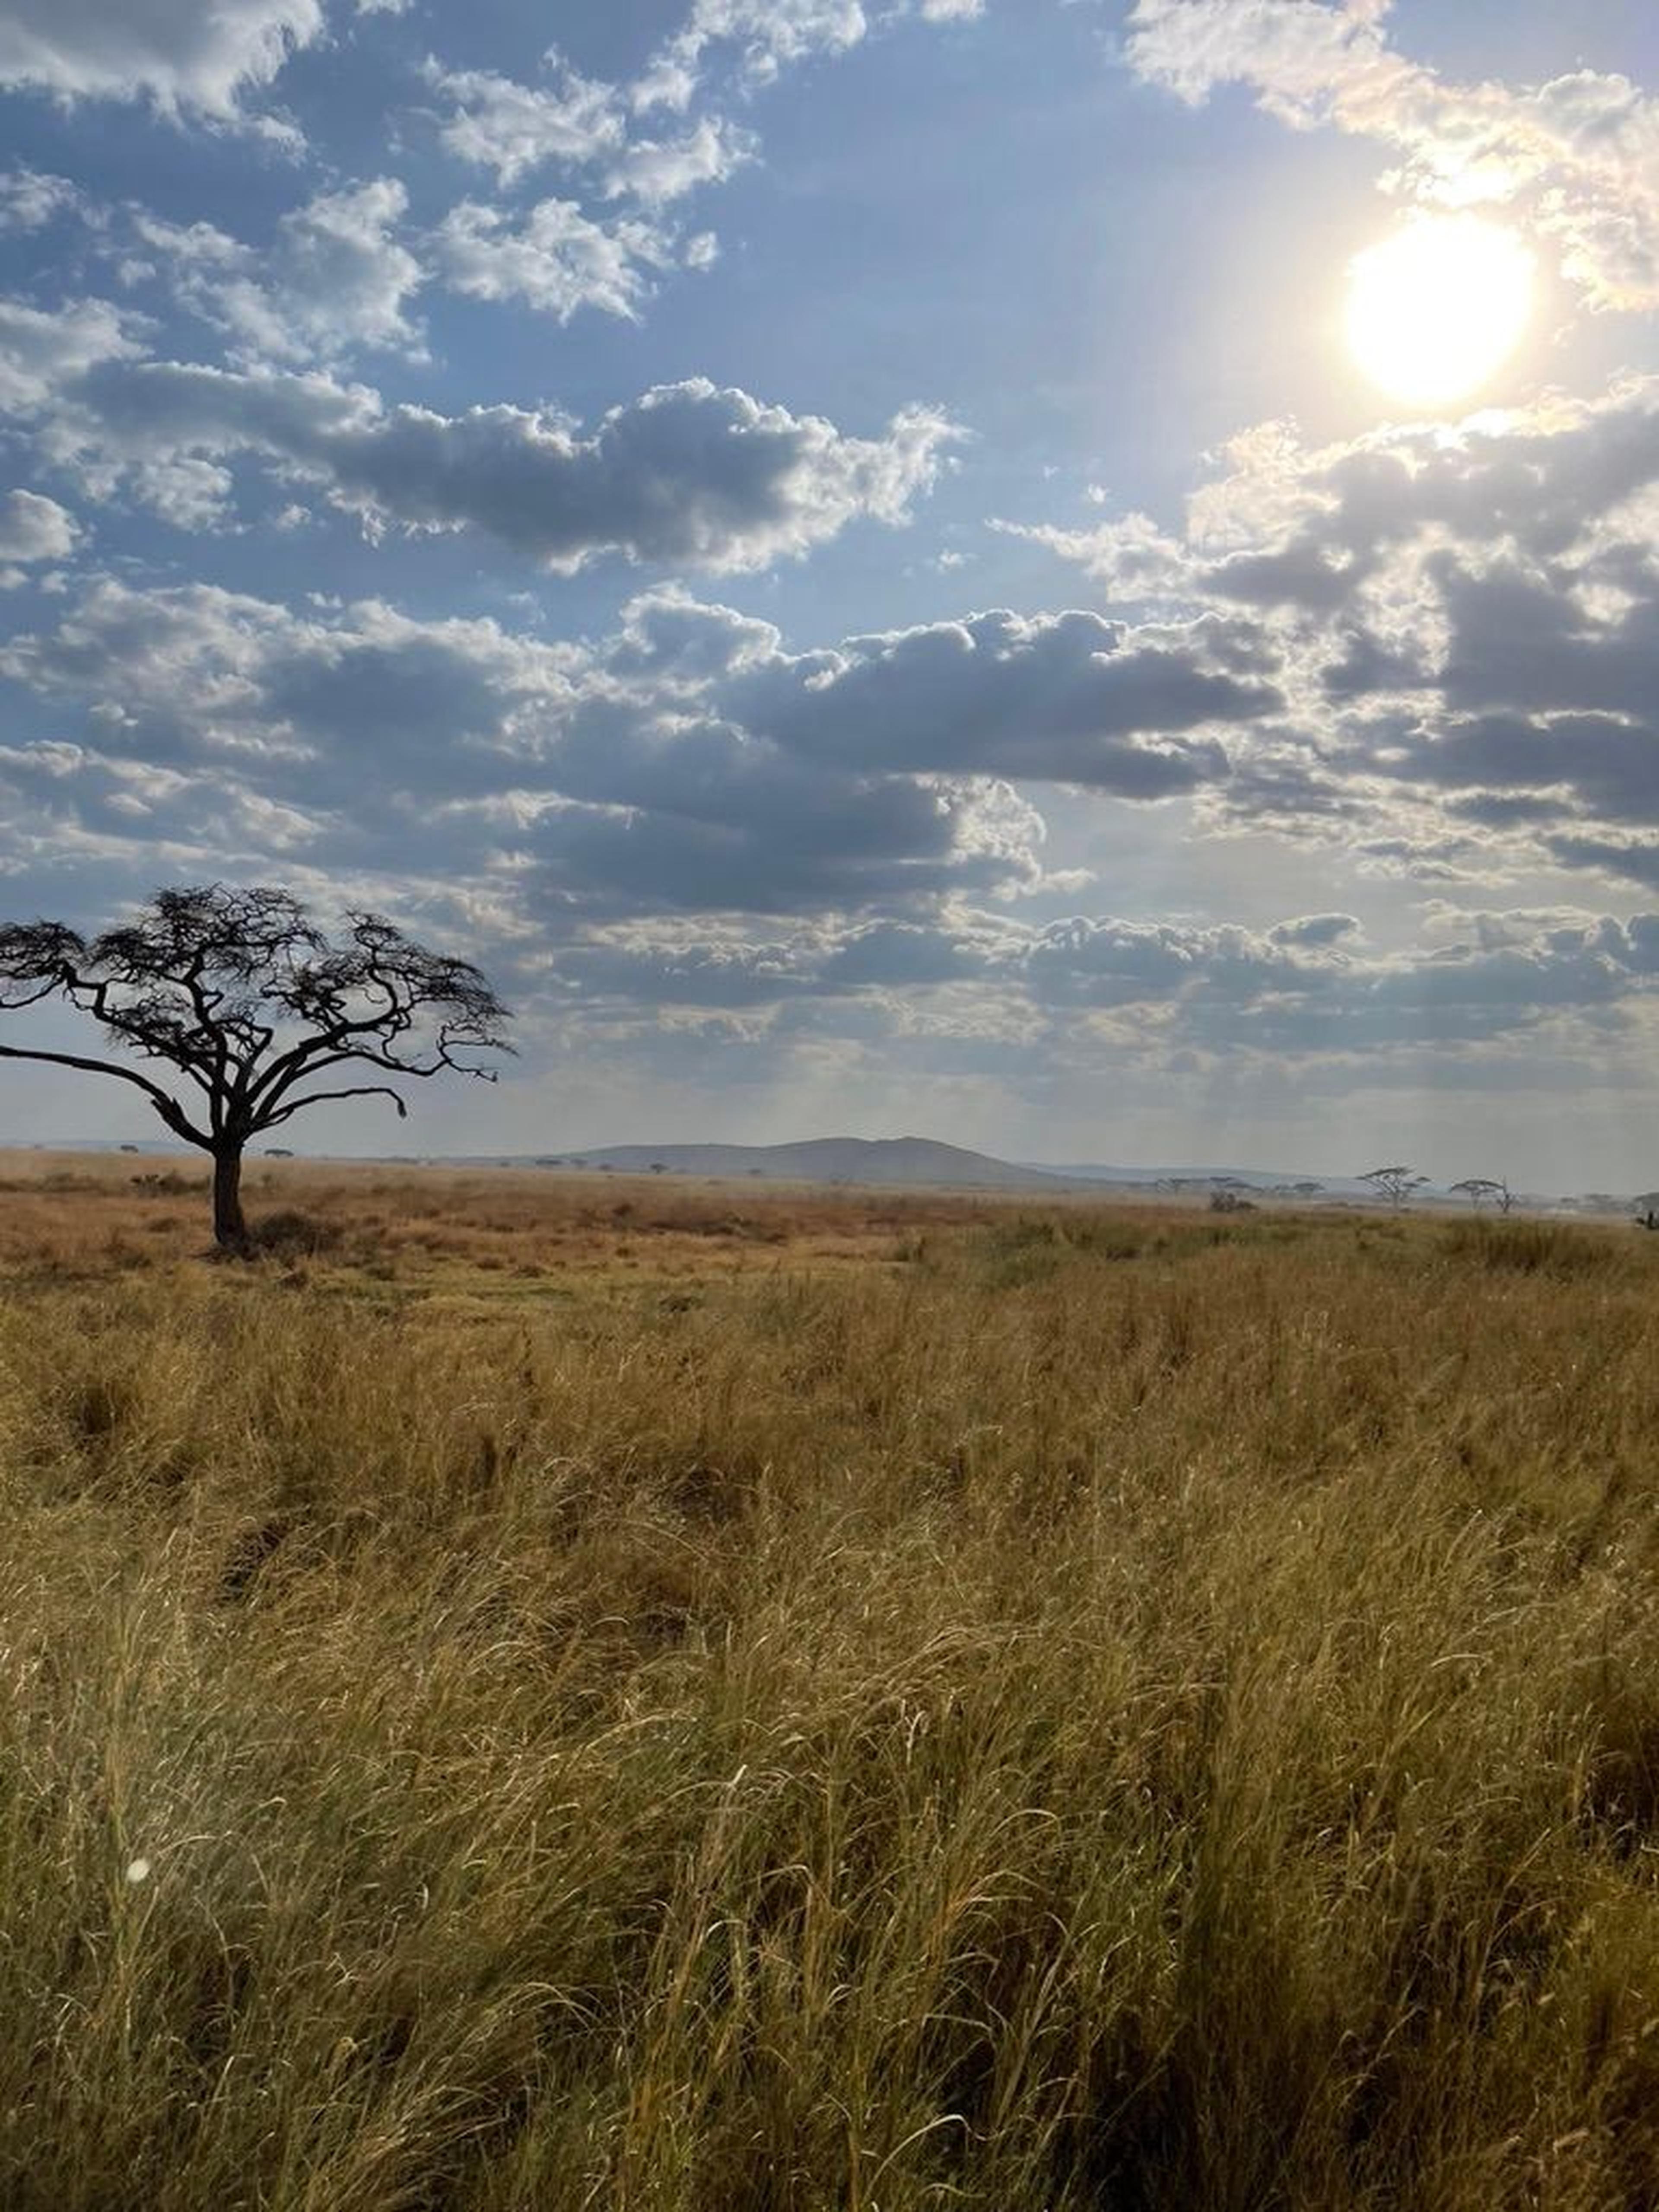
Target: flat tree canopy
[{"x": 254, "y": 1013}]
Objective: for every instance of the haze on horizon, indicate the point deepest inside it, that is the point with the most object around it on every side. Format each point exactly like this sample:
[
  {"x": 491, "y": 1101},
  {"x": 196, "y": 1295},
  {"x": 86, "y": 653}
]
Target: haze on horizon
[{"x": 966, "y": 566}]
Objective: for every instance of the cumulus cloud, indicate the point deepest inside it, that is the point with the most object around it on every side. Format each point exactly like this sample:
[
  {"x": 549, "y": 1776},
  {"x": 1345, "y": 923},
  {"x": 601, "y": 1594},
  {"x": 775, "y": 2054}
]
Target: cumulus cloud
[
  {"x": 334, "y": 281},
  {"x": 605, "y": 773},
  {"x": 767, "y": 34},
  {"x": 180, "y": 54},
  {"x": 689, "y": 472},
  {"x": 32, "y": 198},
  {"x": 516, "y": 129},
  {"x": 44, "y": 352},
  {"x": 658, "y": 171},
  {"x": 33, "y": 529},
  {"x": 582, "y": 126},
  {"x": 609, "y": 801},
  {"x": 552, "y": 257},
  {"x": 1064, "y": 698},
  {"x": 759, "y": 39},
  {"x": 1465, "y": 620},
  {"x": 1069, "y": 698},
  {"x": 1282, "y": 993},
  {"x": 1578, "y": 156},
  {"x": 1313, "y": 929},
  {"x": 310, "y": 711},
  {"x": 1144, "y": 989},
  {"x": 734, "y": 829},
  {"x": 682, "y": 641},
  {"x": 573, "y": 250}
]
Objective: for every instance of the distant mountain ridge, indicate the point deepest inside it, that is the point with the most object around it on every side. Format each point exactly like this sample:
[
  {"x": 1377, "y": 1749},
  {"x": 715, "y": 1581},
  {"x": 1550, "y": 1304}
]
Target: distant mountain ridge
[
  {"x": 903, "y": 1160},
  {"x": 915, "y": 1160}
]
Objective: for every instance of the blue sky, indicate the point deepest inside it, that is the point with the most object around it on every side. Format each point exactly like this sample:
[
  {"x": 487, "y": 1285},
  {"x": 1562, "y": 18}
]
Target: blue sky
[{"x": 839, "y": 548}]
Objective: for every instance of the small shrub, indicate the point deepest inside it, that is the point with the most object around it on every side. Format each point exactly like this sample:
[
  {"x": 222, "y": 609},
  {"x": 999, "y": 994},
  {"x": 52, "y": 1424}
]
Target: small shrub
[{"x": 293, "y": 1235}]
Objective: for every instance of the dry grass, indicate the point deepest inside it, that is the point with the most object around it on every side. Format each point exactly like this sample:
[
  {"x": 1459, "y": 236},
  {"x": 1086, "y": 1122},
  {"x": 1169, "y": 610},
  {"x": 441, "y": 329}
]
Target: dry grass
[
  {"x": 1055, "y": 1710},
  {"x": 62, "y": 1212}
]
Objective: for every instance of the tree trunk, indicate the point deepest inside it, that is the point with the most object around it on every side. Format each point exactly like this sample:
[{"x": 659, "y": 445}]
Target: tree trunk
[{"x": 229, "y": 1225}]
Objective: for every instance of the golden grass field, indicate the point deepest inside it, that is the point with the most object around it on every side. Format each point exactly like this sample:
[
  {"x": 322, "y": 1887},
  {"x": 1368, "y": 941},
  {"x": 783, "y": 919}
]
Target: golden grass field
[{"x": 586, "y": 1694}]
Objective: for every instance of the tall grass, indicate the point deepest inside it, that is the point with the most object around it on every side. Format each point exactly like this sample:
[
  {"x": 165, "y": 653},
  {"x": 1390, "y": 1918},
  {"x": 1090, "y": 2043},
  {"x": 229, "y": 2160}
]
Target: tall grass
[{"x": 1175, "y": 1725}]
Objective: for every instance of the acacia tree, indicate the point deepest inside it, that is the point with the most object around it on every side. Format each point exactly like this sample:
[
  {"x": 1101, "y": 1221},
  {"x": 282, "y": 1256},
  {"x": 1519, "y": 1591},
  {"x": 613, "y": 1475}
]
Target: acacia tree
[
  {"x": 253, "y": 1011},
  {"x": 1479, "y": 1189},
  {"x": 1396, "y": 1184}
]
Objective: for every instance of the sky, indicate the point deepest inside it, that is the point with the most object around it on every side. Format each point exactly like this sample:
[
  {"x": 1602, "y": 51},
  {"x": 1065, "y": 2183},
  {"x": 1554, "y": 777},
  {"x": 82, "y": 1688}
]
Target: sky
[{"x": 843, "y": 551}]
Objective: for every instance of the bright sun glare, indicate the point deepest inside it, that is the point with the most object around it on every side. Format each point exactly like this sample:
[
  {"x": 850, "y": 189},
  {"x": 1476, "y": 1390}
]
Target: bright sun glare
[{"x": 1434, "y": 310}]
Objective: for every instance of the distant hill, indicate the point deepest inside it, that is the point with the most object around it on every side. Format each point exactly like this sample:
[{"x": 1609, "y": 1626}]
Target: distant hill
[
  {"x": 916, "y": 1161},
  {"x": 921, "y": 1162}
]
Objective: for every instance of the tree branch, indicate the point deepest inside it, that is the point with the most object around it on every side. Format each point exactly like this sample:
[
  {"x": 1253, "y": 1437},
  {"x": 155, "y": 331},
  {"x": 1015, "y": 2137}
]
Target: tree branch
[
  {"x": 169, "y": 1109},
  {"x": 315, "y": 1098}
]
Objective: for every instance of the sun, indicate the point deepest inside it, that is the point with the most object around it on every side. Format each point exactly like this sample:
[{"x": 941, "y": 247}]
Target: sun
[{"x": 1437, "y": 308}]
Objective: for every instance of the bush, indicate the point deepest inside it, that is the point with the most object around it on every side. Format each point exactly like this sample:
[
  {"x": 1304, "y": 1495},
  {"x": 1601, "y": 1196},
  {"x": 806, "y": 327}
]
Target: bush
[{"x": 291, "y": 1235}]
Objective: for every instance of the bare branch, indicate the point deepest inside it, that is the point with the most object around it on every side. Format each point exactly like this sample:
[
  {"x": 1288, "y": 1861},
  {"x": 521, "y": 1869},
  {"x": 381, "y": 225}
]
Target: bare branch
[
  {"x": 316, "y": 1098},
  {"x": 170, "y": 1111}
]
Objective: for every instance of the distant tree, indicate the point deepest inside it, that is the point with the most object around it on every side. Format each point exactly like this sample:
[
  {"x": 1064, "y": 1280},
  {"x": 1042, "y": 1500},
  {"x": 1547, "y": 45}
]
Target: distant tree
[
  {"x": 1395, "y": 1184},
  {"x": 1487, "y": 1190},
  {"x": 251, "y": 1010}
]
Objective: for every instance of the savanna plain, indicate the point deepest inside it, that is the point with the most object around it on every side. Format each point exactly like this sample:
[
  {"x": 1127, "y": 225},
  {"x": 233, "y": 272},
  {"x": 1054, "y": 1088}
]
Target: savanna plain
[{"x": 567, "y": 1694}]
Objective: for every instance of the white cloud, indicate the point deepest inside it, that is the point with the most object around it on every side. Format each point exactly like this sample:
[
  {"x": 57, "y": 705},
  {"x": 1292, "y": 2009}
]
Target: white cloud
[
  {"x": 334, "y": 281},
  {"x": 33, "y": 528},
  {"x": 688, "y": 472},
  {"x": 181, "y": 54},
  {"x": 767, "y": 35},
  {"x": 514, "y": 129},
  {"x": 1577, "y": 156},
  {"x": 608, "y": 795},
  {"x": 552, "y": 257},
  {"x": 764, "y": 36},
  {"x": 1468, "y": 621},
  {"x": 30, "y": 199},
  {"x": 588, "y": 778},
  {"x": 196, "y": 673},
  {"x": 656, "y": 172},
  {"x": 1068, "y": 698},
  {"x": 43, "y": 352}
]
